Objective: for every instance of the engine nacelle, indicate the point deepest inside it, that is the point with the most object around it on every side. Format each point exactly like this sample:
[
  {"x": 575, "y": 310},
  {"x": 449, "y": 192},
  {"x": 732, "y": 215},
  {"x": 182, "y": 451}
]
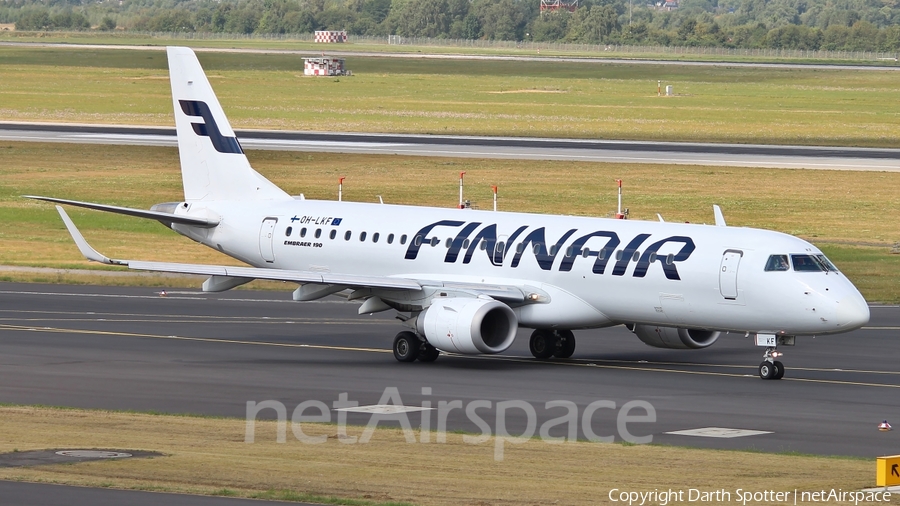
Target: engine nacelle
[
  {"x": 675, "y": 338},
  {"x": 468, "y": 325}
]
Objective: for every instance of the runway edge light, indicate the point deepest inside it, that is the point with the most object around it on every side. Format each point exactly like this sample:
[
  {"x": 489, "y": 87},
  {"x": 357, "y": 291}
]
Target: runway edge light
[
  {"x": 884, "y": 426},
  {"x": 887, "y": 473}
]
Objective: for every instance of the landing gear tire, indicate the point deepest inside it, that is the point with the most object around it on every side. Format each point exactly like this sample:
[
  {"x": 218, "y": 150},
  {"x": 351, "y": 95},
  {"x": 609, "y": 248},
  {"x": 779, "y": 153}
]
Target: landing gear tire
[
  {"x": 565, "y": 345},
  {"x": 428, "y": 353},
  {"x": 767, "y": 370},
  {"x": 542, "y": 344},
  {"x": 779, "y": 370},
  {"x": 406, "y": 347}
]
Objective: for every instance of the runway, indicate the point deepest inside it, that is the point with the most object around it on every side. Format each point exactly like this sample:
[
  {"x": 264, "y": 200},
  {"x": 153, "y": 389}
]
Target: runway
[
  {"x": 610, "y": 151},
  {"x": 418, "y": 55},
  {"x": 191, "y": 352}
]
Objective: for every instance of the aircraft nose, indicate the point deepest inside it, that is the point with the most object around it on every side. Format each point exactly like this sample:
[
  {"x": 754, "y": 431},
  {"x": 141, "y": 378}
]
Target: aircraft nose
[{"x": 852, "y": 312}]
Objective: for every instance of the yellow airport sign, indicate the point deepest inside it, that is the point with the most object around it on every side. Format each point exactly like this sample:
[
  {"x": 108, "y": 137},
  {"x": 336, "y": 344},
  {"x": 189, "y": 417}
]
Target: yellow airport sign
[{"x": 888, "y": 472}]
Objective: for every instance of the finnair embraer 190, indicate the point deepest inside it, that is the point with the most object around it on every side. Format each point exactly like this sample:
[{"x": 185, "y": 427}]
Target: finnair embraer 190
[{"x": 464, "y": 281}]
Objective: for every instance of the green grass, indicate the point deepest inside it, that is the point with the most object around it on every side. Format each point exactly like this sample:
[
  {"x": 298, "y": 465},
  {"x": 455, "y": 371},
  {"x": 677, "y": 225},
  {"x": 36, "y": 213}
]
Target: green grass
[
  {"x": 544, "y": 99},
  {"x": 209, "y": 456},
  {"x": 852, "y": 216},
  {"x": 435, "y": 47}
]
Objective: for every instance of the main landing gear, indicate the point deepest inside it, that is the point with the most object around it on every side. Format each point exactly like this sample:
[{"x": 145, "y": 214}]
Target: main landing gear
[
  {"x": 408, "y": 347},
  {"x": 549, "y": 343},
  {"x": 771, "y": 368}
]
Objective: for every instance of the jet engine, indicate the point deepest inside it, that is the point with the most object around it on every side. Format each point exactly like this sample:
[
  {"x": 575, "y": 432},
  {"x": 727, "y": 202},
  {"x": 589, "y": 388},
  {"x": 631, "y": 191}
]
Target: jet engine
[
  {"x": 674, "y": 338},
  {"x": 468, "y": 325}
]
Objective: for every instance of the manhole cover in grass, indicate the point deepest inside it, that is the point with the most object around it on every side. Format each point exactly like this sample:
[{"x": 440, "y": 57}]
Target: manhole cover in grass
[
  {"x": 93, "y": 454},
  {"x": 57, "y": 456}
]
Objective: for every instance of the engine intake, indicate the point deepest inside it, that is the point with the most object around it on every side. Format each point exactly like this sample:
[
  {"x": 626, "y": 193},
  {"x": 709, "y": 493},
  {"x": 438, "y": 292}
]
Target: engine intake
[
  {"x": 468, "y": 325},
  {"x": 675, "y": 338}
]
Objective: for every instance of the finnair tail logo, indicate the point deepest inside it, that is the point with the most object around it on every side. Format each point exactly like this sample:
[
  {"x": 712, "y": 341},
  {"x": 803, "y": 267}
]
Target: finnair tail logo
[{"x": 209, "y": 128}]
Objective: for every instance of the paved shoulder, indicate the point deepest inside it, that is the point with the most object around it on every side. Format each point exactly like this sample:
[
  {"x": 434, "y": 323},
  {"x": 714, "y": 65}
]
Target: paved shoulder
[{"x": 41, "y": 494}]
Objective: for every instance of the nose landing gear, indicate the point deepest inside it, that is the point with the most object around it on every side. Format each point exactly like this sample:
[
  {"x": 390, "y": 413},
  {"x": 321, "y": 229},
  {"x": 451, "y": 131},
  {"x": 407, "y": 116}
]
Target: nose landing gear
[{"x": 771, "y": 368}]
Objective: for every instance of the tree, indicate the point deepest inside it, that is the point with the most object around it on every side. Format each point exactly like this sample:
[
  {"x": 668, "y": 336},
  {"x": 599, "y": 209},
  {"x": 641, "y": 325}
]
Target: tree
[
  {"x": 107, "y": 24},
  {"x": 500, "y": 19},
  {"x": 593, "y": 25}
]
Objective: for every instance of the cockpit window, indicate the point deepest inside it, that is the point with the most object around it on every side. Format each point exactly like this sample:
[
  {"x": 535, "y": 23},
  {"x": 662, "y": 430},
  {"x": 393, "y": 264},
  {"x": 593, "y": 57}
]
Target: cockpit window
[
  {"x": 827, "y": 263},
  {"x": 808, "y": 263},
  {"x": 778, "y": 263}
]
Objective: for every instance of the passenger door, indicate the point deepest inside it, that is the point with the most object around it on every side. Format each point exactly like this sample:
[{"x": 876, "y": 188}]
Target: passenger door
[
  {"x": 266, "y": 237},
  {"x": 728, "y": 272}
]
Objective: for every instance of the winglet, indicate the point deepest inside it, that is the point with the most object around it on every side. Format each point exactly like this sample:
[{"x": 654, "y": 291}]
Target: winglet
[
  {"x": 720, "y": 219},
  {"x": 85, "y": 248}
]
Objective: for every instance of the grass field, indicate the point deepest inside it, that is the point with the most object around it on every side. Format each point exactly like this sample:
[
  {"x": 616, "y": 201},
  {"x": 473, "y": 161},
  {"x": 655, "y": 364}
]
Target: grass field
[
  {"x": 615, "y": 101},
  {"x": 436, "y": 46},
  {"x": 209, "y": 456},
  {"x": 852, "y": 216}
]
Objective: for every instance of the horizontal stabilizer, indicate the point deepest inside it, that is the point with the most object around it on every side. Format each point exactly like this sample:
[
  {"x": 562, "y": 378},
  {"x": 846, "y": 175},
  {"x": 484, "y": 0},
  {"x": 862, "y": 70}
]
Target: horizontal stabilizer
[{"x": 139, "y": 213}]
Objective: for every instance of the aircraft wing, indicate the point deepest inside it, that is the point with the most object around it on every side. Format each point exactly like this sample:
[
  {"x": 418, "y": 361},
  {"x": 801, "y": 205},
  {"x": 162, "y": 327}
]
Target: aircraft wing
[{"x": 245, "y": 273}]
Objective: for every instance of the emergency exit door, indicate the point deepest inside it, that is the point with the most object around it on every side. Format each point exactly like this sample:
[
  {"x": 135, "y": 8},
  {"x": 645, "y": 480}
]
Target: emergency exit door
[{"x": 728, "y": 272}]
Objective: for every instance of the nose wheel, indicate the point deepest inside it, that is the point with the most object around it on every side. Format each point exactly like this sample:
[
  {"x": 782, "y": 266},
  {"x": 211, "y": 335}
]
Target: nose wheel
[{"x": 771, "y": 368}]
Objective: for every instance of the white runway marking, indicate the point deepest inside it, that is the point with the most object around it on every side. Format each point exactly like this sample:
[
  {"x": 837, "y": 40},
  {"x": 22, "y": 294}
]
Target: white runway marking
[{"x": 718, "y": 432}]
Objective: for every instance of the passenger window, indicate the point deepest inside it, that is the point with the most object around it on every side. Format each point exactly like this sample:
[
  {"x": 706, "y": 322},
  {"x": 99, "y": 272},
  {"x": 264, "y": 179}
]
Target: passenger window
[
  {"x": 670, "y": 259},
  {"x": 652, "y": 257},
  {"x": 347, "y": 235},
  {"x": 375, "y": 237},
  {"x": 362, "y": 236},
  {"x": 570, "y": 252},
  {"x": 537, "y": 248},
  {"x": 619, "y": 255},
  {"x": 332, "y": 234},
  {"x": 318, "y": 233},
  {"x": 586, "y": 252},
  {"x": 636, "y": 256},
  {"x": 465, "y": 244},
  {"x": 403, "y": 239},
  {"x": 418, "y": 240},
  {"x": 520, "y": 247},
  {"x": 303, "y": 232},
  {"x": 449, "y": 242},
  {"x": 434, "y": 241},
  {"x": 390, "y": 238},
  {"x": 553, "y": 250},
  {"x": 287, "y": 232},
  {"x": 483, "y": 245},
  {"x": 777, "y": 263},
  {"x": 500, "y": 246}
]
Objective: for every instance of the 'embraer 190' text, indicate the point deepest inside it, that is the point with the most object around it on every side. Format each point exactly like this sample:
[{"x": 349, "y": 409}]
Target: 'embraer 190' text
[{"x": 601, "y": 245}]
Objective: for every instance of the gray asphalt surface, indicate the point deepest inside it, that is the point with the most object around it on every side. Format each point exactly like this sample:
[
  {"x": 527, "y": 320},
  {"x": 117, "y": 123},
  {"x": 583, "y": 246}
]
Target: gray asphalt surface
[
  {"x": 349, "y": 52},
  {"x": 189, "y": 352},
  {"x": 733, "y": 155},
  {"x": 40, "y": 494}
]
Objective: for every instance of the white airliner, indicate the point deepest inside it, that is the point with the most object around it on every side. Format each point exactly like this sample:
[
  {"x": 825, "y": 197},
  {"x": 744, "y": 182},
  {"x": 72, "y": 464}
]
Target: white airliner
[{"x": 463, "y": 280}]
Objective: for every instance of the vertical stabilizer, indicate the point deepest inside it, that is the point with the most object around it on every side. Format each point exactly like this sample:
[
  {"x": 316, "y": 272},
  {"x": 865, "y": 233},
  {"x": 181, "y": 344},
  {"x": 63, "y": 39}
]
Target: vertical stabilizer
[{"x": 213, "y": 165}]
